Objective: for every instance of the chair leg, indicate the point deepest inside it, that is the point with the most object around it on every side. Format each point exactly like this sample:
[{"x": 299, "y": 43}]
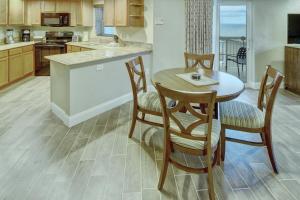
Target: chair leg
[
  {"x": 238, "y": 68},
  {"x": 223, "y": 143},
  {"x": 268, "y": 138},
  {"x": 219, "y": 153},
  {"x": 210, "y": 180},
  {"x": 133, "y": 122},
  {"x": 164, "y": 168}
]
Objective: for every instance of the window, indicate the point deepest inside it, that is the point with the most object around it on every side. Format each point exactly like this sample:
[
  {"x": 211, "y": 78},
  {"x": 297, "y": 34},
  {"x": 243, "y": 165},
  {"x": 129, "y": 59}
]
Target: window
[{"x": 100, "y": 29}]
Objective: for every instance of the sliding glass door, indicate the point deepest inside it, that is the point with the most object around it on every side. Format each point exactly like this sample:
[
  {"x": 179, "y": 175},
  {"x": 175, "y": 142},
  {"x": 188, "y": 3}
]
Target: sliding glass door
[{"x": 233, "y": 39}]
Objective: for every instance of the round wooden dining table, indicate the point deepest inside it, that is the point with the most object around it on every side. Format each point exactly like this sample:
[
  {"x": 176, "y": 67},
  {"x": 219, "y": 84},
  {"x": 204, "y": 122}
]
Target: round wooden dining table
[{"x": 229, "y": 87}]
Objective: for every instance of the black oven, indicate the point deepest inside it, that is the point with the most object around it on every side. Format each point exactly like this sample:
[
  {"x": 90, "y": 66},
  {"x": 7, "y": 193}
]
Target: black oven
[{"x": 55, "y": 19}]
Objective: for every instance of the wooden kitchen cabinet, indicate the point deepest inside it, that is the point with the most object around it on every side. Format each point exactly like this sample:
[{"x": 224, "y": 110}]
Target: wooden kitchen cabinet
[
  {"x": 17, "y": 12},
  {"x": 16, "y": 69},
  {"x": 63, "y": 6},
  {"x": 292, "y": 69},
  {"x": 124, "y": 13},
  {"x": 34, "y": 16},
  {"x": 28, "y": 58},
  {"x": 3, "y": 71},
  {"x": 85, "y": 13},
  {"x": 3, "y": 12},
  {"x": 109, "y": 12},
  {"x": 76, "y": 49},
  {"x": 16, "y": 64},
  {"x": 74, "y": 6},
  {"x": 121, "y": 12},
  {"x": 49, "y": 6}
]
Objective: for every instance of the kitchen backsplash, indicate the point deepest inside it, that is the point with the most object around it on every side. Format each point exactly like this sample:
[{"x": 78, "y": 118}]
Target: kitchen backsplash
[{"x": 39, "y": 31}]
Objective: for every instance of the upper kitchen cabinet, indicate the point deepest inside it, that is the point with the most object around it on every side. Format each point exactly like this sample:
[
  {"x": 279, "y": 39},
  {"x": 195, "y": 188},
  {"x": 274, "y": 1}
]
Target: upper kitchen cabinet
[
  {"x": 17, "y": 12},
  {"x": 74, "y": 6},
  {"x": 121, "y": 12},
  {"x": 85, "y": 13},
  {"x": 63, "y": 6},
  {"x": 49, "y": 6},
  {"x": 109, "y": 12},
  {"x": 124, "y": 13},
  {"x": 34, "y": 18},
  {"x": 3, "y": 12}
]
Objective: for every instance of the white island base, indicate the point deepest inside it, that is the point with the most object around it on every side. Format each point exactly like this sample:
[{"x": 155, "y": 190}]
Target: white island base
[{"x": 82, "y": 91}]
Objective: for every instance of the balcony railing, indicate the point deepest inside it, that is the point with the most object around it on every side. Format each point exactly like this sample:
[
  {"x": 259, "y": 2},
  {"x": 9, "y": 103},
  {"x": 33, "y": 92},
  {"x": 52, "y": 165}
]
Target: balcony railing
[{"x": 229, "y": 46}]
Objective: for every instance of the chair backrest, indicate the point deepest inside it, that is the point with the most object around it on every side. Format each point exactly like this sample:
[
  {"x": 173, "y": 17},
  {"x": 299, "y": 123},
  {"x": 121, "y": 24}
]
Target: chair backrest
[
  {"x": 137, "y": 76},
  {"x": 206, "y": 60},
  {"x": 185, "y": 100},
  {"x": 242, "y": 55},
  {"x": 268, "y": 90}
]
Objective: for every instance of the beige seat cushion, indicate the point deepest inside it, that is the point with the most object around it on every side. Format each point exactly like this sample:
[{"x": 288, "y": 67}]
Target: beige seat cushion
[
  {"x": 239, "y": 114},
  {"x": 149, "y": 101},
  {"x": 186, "y": 120}
]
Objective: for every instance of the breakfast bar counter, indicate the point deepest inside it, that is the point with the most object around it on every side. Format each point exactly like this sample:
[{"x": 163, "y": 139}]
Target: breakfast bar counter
[{"x": 85, "y": 84}]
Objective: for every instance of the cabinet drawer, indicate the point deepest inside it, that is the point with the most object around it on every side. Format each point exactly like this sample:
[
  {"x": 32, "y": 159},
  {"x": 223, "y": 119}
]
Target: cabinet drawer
[
  {"x": 28, "y": 48},
  {"x": 3, "y": 54},
  {"x": 15, "y": 51}
]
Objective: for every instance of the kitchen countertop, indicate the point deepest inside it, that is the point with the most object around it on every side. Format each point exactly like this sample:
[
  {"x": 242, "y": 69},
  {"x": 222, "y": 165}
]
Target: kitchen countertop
[
  {"x": 293, "y": 45},
  {"x": 15, "y": 45},
  {"x": 99, "y": 52}
]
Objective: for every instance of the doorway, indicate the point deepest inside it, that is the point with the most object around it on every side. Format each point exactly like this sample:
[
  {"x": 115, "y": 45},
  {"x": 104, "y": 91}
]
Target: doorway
[{"x": 233, "y": 36}]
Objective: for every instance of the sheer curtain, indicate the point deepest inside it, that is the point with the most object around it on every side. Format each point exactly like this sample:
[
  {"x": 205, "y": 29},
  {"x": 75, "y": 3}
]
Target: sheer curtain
[{"x": 199, "y": 22}]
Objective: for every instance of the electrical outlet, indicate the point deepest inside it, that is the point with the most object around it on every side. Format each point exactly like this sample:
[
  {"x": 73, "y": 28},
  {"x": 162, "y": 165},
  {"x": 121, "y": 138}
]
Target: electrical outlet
[{"x": 99, "y": 68}]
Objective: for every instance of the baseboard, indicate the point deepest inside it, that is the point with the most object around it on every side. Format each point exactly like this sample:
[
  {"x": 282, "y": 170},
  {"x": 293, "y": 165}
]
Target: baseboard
[{"x": 90, "y": 113}]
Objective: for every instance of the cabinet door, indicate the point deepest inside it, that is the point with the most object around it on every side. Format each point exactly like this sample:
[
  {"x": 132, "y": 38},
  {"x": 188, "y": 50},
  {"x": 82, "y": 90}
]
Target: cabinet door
[
  {"x": 49, "y": 5},
  {"x": 121, "y": 13},
  {"x": 63, "y": 6},
  {"x": 16, "y": 69},
  {"x": 3, "y": 12},
  {"x": 16, "y": 12},
  {"x": 109, "y": 12},
  {"x": 74, "y": 6},
  {"x": 3, "y": 71},
  {"x": 34, "y": 18},
  {"x": 87, "y": 12},
  {"x": 28, "y": 62}
]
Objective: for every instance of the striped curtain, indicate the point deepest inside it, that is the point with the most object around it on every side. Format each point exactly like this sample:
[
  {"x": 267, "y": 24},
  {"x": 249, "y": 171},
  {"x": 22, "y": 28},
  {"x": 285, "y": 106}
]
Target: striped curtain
[{"x": 199, "y": 22}]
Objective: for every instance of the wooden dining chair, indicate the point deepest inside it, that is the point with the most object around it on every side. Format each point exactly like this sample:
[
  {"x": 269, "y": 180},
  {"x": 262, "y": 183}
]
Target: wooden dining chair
[
  {"x": 144, "y": 102},
  {"x": 241, "y": 116},
  {"x": 205, "y": 61},
  {"x": 193, "y": 133},
  {"x": 194, "y": 60}
]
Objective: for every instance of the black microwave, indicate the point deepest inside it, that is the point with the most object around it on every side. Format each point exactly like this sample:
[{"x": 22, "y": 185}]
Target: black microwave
[{"x": 55, "y": 19}]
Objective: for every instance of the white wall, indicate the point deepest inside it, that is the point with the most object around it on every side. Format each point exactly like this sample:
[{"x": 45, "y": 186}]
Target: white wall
[
  {"x": 270, "y": 32},
  {"x": 169, "y": 38}
]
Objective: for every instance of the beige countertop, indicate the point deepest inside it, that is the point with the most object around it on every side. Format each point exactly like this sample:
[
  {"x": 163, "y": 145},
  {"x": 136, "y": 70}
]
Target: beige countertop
[
  {"x": 15, "y": 45},
  {"x": 100, "y": 52},
  {"x": 293, "y": 45}
]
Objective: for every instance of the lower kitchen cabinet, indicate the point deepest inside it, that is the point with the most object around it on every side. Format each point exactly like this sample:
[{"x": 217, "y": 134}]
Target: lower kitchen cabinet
[
  {"x": 3, "y": 71},
  {"x": 15, "y": 64},
  {"x": 16, "y": 67},
  {"x": 28, "y": 62}
]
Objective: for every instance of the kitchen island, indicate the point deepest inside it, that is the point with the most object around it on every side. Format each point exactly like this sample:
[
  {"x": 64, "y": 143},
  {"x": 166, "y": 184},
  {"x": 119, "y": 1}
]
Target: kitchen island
[{"x": 87, "y": 83}]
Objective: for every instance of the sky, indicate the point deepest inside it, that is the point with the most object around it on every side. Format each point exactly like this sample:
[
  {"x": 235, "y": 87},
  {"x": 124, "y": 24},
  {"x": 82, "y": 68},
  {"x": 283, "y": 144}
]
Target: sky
[
  {"x": 233, "y": 21},
  {"x": 233, "y": 14}
]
